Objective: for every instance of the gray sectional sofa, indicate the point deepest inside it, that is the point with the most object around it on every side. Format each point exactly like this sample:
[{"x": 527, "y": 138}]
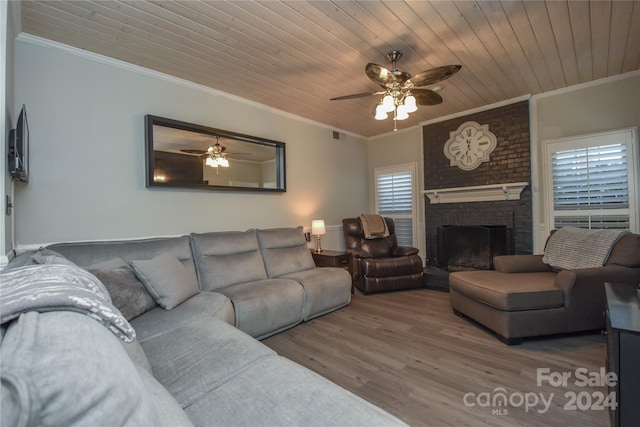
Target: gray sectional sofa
[
  {"x": 526, "y": 297},
  {"x": 197, "y": 304}
]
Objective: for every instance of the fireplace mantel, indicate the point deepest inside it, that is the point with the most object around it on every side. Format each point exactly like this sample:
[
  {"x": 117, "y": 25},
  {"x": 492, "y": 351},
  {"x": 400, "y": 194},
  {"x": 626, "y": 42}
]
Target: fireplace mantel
[{"x": 479, "y": 193}]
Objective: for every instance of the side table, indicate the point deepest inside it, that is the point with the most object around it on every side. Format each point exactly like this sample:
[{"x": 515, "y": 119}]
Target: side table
[{"x": 328, "y": 258}]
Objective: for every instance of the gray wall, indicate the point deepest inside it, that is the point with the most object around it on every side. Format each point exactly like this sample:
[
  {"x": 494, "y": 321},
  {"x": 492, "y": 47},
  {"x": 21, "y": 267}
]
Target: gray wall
[{"x": 86, "y": 117}]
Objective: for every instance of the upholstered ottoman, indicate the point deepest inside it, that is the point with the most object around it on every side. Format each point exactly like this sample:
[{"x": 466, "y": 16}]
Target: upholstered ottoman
[{"x": 512, "y": 307}]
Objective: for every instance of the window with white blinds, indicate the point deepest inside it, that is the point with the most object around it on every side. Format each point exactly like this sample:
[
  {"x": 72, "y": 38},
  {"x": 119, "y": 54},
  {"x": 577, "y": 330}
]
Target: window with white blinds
[
  {"x": 395, "y": 199},
  {"x": 592, "y": 181}
]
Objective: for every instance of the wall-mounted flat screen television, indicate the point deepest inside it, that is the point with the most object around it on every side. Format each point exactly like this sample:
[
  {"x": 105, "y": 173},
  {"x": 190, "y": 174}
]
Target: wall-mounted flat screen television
[{"x": 19, "y": 148}]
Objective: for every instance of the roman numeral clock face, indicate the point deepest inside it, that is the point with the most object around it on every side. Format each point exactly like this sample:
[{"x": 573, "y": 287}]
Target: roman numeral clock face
[{"x": 469, "y": 145}]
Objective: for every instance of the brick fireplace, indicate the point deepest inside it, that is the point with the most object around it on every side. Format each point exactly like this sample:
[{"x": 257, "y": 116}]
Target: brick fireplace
[{"x": 508, "y": 163}]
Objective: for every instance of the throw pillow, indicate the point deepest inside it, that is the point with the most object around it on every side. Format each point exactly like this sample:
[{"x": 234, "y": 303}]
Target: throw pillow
[
  {"x": 166, "y": 279},
  {"x": 127, "y": 292}
]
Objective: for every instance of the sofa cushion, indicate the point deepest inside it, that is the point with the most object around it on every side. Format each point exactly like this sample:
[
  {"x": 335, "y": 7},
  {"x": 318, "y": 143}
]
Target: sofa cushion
[
  {"x": 265, "y": 307},
  {"x": 41, "y": 256},
  {"x": 64, "y": 369},
  {"x": 509, "y": 292},
  {"x": 166, "y": 279},
  {"x": 196, "y": 357},
  {"x": 325, "y": 289},
  {"x": 203, "y": 306},
  {"x": 128, "y": 293},
  {"x": 626, "y": 251},
  {"x": 278, "y": 392},
  {"x": 227, "y": 258},
  {"x": 47, "y": 256},
  {"x": 284, "y": 251},
  {"x": 87, "y": 254}
]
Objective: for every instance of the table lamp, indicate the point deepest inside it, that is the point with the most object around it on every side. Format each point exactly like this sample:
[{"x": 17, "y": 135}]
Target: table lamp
[{"x": 318, "y": 229}]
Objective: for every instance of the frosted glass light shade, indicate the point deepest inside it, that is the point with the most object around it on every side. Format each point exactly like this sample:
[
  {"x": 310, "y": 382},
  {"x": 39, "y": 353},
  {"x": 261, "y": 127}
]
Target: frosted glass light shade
[
  {"x": 388, "y": 103},
  {"x": 410, "y": 103},
  {"x": 401, "y": 112},
  {"x": 381, "y": 113},
  {"x": 223, "y": 162}
]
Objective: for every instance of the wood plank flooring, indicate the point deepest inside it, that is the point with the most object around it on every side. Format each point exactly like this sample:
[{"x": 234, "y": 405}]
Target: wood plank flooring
[{"x": 409, "y": 354}]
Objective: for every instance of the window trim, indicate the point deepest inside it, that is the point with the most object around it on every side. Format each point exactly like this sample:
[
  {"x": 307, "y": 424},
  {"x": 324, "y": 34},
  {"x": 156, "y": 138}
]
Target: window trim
[
  {"x": 625, "y": 135},
  {"x": 411, "y": 168}
]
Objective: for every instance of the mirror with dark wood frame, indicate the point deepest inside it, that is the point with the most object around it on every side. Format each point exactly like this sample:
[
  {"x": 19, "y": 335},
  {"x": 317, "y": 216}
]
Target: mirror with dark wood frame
[{"x": 187, "y": 155}]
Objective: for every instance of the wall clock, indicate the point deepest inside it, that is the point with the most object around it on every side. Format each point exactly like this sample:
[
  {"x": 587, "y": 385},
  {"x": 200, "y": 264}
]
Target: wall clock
[{"x": 469, "y": 145}]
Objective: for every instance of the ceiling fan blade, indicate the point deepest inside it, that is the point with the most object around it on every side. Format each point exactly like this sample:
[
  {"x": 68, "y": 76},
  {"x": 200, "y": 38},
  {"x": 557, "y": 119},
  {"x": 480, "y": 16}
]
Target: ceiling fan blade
[
  {"x": 426, "y": 97},
  {"x": 434, "y": 75},
  {"x": 356, "y": 95},
  {"x": 380, "y": 75},
  {"x": 193, "y": 151}
]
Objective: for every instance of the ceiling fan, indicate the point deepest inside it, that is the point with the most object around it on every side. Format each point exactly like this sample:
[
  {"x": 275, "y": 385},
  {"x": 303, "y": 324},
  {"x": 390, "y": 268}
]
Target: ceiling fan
[{"x": 402, "y": 92}]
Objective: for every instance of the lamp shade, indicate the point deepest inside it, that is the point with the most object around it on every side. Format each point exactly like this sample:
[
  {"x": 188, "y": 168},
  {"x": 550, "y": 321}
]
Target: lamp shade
[{"x": 317, "y": 227}]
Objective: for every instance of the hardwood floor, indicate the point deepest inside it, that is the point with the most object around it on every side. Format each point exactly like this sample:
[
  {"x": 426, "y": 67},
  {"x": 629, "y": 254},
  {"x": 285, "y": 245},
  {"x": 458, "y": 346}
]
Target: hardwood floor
[{"x": 409, "y": 354}]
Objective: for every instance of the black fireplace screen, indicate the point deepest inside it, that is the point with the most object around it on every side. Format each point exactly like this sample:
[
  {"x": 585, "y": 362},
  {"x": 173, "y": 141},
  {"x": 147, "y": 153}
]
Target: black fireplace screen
[{"x": 472, "y": 246}]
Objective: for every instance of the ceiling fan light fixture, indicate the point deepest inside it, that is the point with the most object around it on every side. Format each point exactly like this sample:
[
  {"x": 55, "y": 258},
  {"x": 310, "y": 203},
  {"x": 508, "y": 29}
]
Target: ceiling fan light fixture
[
  {"x": 211, "y": 162},
  {"x": 223, "y": 162},
  {"x": 389, "y": 103},
  {"x": 380, "y": 112},
  {"x": 401, "y": 112},
  {"x": 410, "y": 104},
  {"x": 403, "y": 92}
]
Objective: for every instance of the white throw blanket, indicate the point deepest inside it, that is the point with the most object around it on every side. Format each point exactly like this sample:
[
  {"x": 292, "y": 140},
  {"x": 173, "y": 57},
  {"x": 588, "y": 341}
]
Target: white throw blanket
[{"x": 571, "y": 248}]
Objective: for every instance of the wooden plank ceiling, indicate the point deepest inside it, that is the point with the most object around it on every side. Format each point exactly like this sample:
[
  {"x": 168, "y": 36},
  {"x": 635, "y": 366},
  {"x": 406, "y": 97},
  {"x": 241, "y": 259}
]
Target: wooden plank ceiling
[{"x": 296, "y": 55}]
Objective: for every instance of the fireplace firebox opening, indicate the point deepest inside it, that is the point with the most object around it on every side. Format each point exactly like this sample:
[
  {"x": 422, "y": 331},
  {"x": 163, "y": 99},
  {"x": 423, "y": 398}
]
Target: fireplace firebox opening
[{"x": 472, "y": 247}]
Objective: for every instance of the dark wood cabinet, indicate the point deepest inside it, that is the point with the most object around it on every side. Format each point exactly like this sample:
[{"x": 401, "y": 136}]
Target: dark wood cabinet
[{"x": 623, "y": 351}]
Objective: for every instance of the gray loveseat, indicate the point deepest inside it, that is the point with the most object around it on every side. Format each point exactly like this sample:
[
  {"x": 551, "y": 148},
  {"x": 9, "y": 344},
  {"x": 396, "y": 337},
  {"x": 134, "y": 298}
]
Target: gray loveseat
[{"x": 188, "y": 364}]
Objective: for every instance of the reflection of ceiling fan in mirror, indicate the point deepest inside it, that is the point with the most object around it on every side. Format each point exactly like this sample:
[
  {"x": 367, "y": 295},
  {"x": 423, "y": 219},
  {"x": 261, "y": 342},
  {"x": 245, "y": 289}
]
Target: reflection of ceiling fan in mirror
[
  {"x": 402, "y": 92},
  {"x": 216, "y": 149},
  {"x": 215, "y": 155}
]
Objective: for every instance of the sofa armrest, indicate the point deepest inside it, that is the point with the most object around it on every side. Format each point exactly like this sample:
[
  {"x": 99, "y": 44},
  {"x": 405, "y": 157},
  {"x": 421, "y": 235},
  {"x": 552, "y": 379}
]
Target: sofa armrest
[
  {"x": 584, "y": 292},
  {"x": 520, "y": 264},
  {"x": 404, "y": 251},
  {"x": 572, "y": 281}
]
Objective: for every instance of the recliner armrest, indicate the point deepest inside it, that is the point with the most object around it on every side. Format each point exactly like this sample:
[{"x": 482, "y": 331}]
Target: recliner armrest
[
  {"x": 404, "y": 251},
  {"x": 520, "y": 264},
  {"x": 359, "y": 253}
]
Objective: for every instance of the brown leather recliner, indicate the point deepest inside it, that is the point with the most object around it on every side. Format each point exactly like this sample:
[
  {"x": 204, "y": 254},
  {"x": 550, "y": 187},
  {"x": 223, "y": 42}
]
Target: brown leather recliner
[{"x": 379, "y": 264}]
